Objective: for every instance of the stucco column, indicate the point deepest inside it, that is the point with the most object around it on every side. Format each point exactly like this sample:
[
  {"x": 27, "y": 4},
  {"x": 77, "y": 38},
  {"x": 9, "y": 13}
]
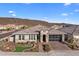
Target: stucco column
[
  {"x": 41, "y": 38},
  {"x": 63, "y": 38},
  {"x": 47, "y": 38}
]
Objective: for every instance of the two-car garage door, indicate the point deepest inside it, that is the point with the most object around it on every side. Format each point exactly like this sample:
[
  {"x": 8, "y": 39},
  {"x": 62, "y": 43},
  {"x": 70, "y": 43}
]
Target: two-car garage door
[{"x": 55, "y": 37}]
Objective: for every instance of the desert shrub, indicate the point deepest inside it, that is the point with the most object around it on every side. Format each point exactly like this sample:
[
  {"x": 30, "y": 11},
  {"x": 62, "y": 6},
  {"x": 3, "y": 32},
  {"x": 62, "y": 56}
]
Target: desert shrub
[
  {"x": 8, "y": 46},
  {"x": 72, "y": 43},
  {"x": 35, "y": 49},
  {"x": 70, "y": 40},
  {"x": 32, "y": 42},
  {"x": 46, "y": 47}
]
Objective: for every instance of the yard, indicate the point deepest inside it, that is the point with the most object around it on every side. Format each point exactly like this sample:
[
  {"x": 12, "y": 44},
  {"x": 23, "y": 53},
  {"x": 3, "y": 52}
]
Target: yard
[
  {"x": 22, "y": 47},
  {"x": 19, "y": 47}
]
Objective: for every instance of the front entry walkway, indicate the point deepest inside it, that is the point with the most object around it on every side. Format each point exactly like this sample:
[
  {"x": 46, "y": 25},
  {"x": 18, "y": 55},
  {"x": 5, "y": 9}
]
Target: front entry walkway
[
  {"x": 56, "y": 45},
  {"x": 40, "y": 47}
]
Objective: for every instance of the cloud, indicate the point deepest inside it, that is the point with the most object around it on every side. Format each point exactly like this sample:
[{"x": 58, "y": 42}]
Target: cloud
[
  {"x": 76, "y": 10},
  {"x": 27, "y": 3},
  {"x": 64, "y": 14},
  {"x": 45, "y": 17},
  {"x": 12, "y": 13},
  {"x": 67, "y": 4}
]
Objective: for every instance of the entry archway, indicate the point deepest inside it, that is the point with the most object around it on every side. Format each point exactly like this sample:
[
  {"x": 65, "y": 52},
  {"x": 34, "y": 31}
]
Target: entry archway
[{"x": 44, "y": 38}]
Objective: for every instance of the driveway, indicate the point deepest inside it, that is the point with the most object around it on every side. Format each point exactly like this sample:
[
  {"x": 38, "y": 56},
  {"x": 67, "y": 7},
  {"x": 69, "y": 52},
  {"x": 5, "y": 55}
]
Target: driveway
[{"x": 56, "y": 45}]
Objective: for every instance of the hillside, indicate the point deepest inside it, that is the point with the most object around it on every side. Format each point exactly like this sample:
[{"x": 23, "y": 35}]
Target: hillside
[{"x": 29, "y": 22}]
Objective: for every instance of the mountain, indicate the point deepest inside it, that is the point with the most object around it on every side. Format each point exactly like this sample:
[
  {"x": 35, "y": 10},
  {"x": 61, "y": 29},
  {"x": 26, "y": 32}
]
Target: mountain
[{"x": 28, "y": 22}]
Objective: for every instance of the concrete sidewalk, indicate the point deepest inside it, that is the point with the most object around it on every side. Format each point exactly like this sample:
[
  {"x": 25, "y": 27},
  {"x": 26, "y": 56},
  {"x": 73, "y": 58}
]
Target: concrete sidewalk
[{"x": 51, "y": 53}]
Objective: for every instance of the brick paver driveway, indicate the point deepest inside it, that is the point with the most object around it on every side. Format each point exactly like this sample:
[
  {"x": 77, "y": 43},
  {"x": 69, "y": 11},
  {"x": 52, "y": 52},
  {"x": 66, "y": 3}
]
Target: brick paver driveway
[{"x": 56, "y": 45}]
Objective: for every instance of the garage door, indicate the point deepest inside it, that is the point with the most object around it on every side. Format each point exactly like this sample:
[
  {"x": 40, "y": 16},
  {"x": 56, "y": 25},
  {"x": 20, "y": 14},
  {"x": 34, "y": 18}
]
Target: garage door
[{"x": 55, "y": 37}]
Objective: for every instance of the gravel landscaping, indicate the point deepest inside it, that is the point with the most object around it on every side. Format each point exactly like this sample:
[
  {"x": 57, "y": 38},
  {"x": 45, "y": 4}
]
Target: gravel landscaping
[{"x": 19, "y": 47}]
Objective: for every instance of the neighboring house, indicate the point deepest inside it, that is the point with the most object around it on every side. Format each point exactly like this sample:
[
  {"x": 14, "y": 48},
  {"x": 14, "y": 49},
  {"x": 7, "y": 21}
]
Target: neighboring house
[
  {"x": 38, "y": 33},
  {"x": 76, "y": 35},
  {"x": 57, "y": 26},
  {"x": 13, "y": 26},
  {"x": 20, "y": 26},
  {"x": 2, "y": 26},
  {"x": 72, "y": 33},
  {"x": 69, "y": 31}
]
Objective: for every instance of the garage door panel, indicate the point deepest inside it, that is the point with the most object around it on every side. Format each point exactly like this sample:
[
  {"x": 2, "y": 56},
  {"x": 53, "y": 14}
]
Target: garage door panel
[{"x": 55, "y": 37}]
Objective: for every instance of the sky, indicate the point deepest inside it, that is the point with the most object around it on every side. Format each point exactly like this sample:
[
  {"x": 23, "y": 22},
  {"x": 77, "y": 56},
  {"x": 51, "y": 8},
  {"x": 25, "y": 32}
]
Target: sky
[{"x": 50, "y": 12}]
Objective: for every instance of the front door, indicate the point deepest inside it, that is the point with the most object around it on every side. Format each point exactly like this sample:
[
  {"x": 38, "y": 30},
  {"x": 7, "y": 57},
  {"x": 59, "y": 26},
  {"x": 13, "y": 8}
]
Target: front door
[{"x": 44, "y": 38}]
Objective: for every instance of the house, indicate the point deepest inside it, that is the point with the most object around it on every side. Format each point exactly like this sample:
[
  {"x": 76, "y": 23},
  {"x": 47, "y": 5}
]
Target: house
[
  {"x": 72, "y": 33},
  {"x": 38, "y": 33},
  {"x": 57, "y": 26},
  {"x": 76, "y": 35},
  {"x": 5, "y": 26},
  {"x": 20, "y": 26},
  {"x": 69, "y": 31},
  {"x": 11, "y": 26},
  {"x": 41, "y": 33}
]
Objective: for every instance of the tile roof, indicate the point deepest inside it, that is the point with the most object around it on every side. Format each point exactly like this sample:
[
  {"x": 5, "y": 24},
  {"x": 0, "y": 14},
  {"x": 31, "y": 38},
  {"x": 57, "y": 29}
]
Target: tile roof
[
  {"x": 32, "y": 30},
  {"x": 6, "y": 34},
  {"x": 69, "y": 29},
  {"x": 54, "y": 31},
  {"x": 76, "y": 32}
]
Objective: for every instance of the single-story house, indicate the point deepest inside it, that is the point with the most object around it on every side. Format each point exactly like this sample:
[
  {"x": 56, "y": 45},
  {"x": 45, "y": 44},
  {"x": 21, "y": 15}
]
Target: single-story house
[
  {"x": 41, "y": 33},
  {"x": 38, "y": 33}
]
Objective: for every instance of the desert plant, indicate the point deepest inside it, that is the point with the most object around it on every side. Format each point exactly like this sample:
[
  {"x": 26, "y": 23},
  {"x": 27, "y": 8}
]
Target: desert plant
[
  {"x": 46, "y": 47},
  {"x": 72, "y": 43}
]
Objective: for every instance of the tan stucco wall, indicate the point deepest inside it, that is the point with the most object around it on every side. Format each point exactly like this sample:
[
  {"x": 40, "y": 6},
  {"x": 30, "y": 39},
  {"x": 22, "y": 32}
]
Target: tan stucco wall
[
  {"x": 17, "y": 39},
  {"x": 11, "y": 39},
  {"x": 47, "y": 36},
  {"x": 76, "y": 38}
]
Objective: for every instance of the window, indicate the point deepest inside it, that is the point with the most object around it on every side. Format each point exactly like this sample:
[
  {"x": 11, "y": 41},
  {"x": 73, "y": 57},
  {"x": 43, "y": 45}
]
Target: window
[
  {"x": 29, "y": 36},
  {"x": 22, "y": 37},
  {"x": 32, "y": 37},
  {"x": 38, "y": 36},
  {"x": 19, "y": 37},
  {"x": 35, "y": 37}
]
